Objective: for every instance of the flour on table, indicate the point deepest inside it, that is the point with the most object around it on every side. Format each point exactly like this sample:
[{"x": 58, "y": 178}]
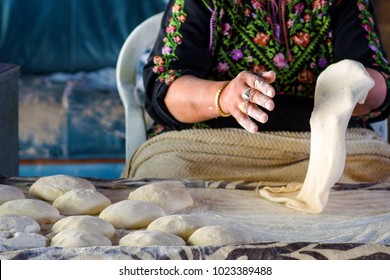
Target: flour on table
[
  {"x": 131, "y": 214},
  {"x": 85, "y": 222},
  {"x": 16, "y": 223},
  {"x": 339, "y": 88},
  {"x": 79, "y": 238},
  {"x": 81, "y": 202},
  {"x": 180, "y": 225},
  {"x": 40, "y": 211},
  {"x": 50, "y": 188},
  {"x": 218, "y": 235},
  {"x": 151, "y": 238},
  {"x": 22, "y": 240},
  {"x": 8, "y": 193},
  {"x": 170, "y": 196}
]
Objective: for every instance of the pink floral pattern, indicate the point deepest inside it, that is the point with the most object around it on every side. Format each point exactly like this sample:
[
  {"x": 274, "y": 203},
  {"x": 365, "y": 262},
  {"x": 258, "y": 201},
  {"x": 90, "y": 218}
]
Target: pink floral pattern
[
  {"x": 298, "y": 59},
  {"x": 171, "y": 41}
]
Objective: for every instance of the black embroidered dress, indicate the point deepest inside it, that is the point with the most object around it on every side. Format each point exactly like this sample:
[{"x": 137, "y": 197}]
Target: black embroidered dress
[{"x": 217, "y": 39}]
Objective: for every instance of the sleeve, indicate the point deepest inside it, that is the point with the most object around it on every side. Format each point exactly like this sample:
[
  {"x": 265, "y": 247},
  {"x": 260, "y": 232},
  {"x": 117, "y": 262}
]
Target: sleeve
[
  {"x": 181, "y": 48},
  {"x": 356, "y": 36}
]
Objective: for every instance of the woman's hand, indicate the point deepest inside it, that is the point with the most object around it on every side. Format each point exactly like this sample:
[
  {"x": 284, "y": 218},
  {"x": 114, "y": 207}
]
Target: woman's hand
[{"x": 245, "y": 94}]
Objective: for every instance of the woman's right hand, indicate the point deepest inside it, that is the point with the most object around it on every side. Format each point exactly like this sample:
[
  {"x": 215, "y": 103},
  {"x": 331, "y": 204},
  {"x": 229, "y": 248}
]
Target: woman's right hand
[{"x": 245, "y": 95}]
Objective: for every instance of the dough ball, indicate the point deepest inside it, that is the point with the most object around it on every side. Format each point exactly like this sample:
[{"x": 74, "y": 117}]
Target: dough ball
[
  {"x": 79, "y": 238},
  {"x": 88, "y": 223},
  {"x": 40, "y": 211},
  {"x": 81, "y": 202},
  {"x": 151, "y": 238},
  {"x": 15, "y": 223},
  {"x": 8, "y": 193},
  {"x": 131, "y": 214},
  {"x": 180, "y": 225},
  {"x": 218, "y": 235},
  {"x": 22, "y": 240},
  {"x": 170, "y": 196},
  {"x": 51, "y": 187}
]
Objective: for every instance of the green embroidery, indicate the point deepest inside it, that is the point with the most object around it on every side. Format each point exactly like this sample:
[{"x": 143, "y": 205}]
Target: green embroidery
[
  {"x": 243, "y": 40},
  {"x": 374, "y": 44},
  {"x": 171, "y": 42}
]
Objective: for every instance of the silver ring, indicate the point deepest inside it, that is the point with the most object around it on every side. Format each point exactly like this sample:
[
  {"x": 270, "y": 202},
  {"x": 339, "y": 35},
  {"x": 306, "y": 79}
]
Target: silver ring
[{"x": 246, "y": 94}]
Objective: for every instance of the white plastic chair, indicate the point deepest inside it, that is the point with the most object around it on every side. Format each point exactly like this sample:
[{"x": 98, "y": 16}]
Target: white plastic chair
[{"x": 140, "y": 39}]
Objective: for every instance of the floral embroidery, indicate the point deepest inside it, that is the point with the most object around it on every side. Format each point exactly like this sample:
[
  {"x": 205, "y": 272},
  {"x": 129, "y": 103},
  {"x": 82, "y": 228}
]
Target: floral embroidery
[
  {"x": 261, "y": 39},
  {"x": 374, "y": 44},
  {"x": 237, "y": 55},
  {"x": 280, "y": 61},
  {"x": 171, "y": 41},
  {"x": 297, "y": 61},
  {"x": 301, "y": 39}
]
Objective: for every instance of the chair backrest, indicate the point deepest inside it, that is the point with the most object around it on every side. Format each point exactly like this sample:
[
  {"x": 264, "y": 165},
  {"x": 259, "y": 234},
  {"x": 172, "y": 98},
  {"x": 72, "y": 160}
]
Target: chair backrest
[{"x": 140, "y": 39}]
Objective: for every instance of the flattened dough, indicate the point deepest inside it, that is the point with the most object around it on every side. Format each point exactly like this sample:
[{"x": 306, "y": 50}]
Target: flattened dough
[
  {"x": 170, "y": 196},
  {"x": 81, "y": 202},
  {"x": 131, "y": 214},
  {"x": 144, "y": 238},
  {"x": 85, "y": 222},
  {"x": 218, "y": 235},
  {"x": 22, "y": 240},
  {"x": 8, "y": 193},
  {"x": 16, "y": 223},
  {"x": 79, "y": 238},
  {"x": 40, "y": 211},
  {"x": 180, "y": 225},
  {"x": 339, "y": 88},
  {"x": 49, "y": 188}
]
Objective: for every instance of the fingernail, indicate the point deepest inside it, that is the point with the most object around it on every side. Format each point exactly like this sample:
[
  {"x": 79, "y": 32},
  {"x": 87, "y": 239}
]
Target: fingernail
[
  {"x": 270, "y": 93},
  {"x": 252, "y": 128},
  {"x": 269, "y": 105}
]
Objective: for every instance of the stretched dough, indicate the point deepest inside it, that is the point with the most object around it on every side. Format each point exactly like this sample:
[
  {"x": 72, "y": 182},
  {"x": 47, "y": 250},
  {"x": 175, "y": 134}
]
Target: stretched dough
[
  {"x": 8, "y": 193},
  {"x": 339, "y": 88},
  {"x": 81, "y": 202},
  {"x": 151, "y": 238},
  {"x": 85, "y": 222},
  {"x": 131, "y": 214},
  {"x": 170, "y": 196},
  {"x": 40, "y": 211},
  {"x": 50, "y": 188}
]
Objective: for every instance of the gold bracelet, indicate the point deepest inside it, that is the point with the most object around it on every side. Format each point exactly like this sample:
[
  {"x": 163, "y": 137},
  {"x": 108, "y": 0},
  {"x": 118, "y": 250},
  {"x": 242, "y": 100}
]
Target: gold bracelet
[{"x": 217, "y": 105}]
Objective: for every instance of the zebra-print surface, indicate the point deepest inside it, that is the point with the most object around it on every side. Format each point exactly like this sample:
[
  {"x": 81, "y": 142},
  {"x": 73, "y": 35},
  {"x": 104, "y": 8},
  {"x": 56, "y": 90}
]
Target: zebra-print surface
[{"x": 267, "y": 251}]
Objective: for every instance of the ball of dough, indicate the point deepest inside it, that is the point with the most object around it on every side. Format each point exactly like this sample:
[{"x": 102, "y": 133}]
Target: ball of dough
[
  {"x": 170, "y": 196},
  {"x": 22, "y": 240},
  {"x": 151, "y": 238},
  {"x": 88, "y": 223},
  {"x": 180, "y": 225},
  {"x": 79, "y": 238},
  {"x": 40, "y": 211},
  {"x": 131, "y": 214},
  {"x": 218, "y": 235},
  {"x": 8, "y": 193},
  {"x": 51, "y": 187},
  {"x": 81, "y": 202},
  {"x": 16, "y": 223}
]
